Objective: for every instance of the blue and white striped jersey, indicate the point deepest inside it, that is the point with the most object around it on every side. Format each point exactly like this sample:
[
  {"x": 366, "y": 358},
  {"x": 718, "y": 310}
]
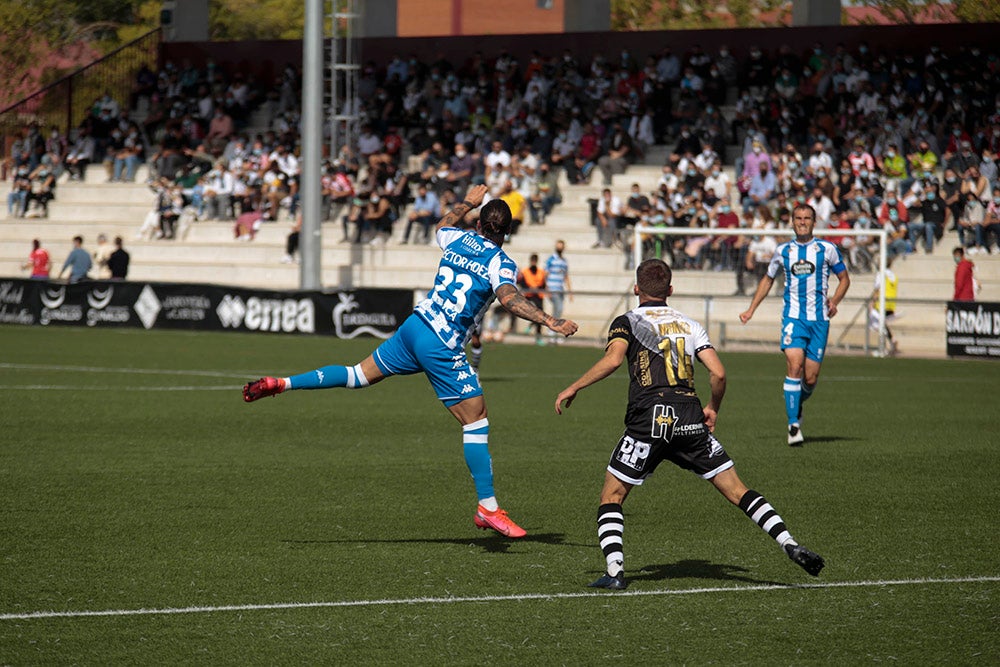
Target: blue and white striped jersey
[
  {"x": 469, "y": 273},
  {"x": 556, "y": 269},
  {"x": 807, "y": 268}
]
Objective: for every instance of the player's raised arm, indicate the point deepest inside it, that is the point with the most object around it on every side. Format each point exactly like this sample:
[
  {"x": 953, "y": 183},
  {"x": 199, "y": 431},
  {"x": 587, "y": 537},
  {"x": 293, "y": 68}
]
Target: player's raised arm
[
  {"x": 511, "y": 299},
  {"x": 608, "y": 364},
  {"x": 473, "y": 198}
]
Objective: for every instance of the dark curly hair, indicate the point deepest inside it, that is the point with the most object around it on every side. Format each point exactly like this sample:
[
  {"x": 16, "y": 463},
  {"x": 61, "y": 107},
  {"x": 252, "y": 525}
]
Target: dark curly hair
[{"x": 494, "y": 220}]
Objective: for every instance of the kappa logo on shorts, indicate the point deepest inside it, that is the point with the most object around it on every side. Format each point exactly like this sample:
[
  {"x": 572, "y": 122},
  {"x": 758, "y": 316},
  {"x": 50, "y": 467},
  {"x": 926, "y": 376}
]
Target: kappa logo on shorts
[
  {"x": 633, "y": 453},
  {"x": 467, "y": 389},
  {"x": 462, "y": 375}
]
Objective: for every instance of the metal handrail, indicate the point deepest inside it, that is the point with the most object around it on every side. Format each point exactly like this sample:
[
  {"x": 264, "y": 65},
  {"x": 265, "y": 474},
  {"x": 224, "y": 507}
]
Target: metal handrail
[{"x": 65, "y": 103}]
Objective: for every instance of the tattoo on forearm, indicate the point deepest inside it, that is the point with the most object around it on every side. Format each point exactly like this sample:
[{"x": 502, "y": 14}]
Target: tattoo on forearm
[
  {"x": 456, "y": 213},
  {"x": 524, "y": 309}
]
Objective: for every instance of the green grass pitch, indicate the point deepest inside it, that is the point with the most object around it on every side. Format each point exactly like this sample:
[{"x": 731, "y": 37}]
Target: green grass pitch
[{"x": 132, "y": 476}]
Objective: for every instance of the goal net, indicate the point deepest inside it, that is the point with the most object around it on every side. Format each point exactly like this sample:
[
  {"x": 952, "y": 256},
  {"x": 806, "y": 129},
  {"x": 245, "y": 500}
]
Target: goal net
[{"x": 716, "y": 272}]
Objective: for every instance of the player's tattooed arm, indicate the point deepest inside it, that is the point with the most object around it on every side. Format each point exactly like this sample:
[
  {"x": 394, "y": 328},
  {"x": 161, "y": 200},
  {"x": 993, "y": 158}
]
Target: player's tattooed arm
[
  {"x": 514, "y": 301},
  {"x": 473, "y": 198}
]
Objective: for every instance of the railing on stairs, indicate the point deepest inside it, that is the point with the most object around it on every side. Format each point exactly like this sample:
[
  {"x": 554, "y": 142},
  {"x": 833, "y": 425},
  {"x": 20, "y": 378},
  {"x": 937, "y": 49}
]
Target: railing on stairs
[{"x": 68, "y": 101}]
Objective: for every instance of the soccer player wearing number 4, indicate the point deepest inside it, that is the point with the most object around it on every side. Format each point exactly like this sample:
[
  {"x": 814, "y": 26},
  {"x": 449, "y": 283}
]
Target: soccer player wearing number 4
[
  {"x": 807, "y": 263},
  {"x": 665, "y": 419},
  {"x": 472, "y": 273}
]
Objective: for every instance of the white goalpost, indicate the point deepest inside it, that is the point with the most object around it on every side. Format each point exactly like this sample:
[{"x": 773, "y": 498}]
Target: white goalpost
[{"x": 640, "y": 232}]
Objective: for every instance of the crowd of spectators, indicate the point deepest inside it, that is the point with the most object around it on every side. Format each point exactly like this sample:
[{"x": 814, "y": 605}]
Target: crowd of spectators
[{"x": 905, "y": 141}]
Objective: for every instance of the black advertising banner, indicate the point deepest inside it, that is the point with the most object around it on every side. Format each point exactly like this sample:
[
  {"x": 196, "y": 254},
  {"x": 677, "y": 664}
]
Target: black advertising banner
[
  {"x": 345, "y": 314},
  {"x": 973, "y": 329}
]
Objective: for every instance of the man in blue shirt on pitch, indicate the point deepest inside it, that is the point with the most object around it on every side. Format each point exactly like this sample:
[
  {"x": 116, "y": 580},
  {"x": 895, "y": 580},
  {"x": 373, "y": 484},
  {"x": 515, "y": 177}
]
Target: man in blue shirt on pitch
[
  {"x": 807, "y": 263},
  {"x": 473, "y": 271}
]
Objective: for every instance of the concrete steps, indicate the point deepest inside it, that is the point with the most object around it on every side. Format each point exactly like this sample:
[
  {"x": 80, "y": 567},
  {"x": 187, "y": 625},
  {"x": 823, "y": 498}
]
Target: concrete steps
[{"x": 209, "y": 253}]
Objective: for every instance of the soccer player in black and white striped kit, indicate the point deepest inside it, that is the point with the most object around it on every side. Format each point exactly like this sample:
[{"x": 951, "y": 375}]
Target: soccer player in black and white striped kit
[{"x": 665, "y": 418}]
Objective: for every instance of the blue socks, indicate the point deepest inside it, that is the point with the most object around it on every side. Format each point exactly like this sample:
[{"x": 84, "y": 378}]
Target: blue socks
[
  {"x": 477, "y": 456},
  {"x": 329, "y": 377},
  {"x": 793, "y": 399}
]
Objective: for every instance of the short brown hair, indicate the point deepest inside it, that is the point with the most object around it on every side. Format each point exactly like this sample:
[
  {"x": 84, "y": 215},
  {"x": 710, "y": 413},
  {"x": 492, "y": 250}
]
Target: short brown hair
[{"x": 653, "y": 278}]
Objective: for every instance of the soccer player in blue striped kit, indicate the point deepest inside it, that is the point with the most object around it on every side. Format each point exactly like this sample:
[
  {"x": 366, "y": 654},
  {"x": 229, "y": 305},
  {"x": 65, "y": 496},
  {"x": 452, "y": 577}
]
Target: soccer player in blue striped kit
[
  {"x": 474, "y": 270},
  {"x": 806, "y": 263}
]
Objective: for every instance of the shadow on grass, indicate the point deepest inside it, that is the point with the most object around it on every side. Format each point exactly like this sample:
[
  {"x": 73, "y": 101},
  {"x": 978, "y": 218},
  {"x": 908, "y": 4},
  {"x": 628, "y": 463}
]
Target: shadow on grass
[
  {"x": 817, "y": 439},
  {"x": 698, "y": 569},
  {"x": 494, "y": 543}
]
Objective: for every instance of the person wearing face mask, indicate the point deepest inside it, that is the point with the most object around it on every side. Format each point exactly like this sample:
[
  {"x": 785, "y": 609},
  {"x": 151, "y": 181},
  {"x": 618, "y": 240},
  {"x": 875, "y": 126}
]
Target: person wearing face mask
[
  {"x": 932, "y": 216},
  {"x": 893, "y": 167},
  {"x": 460, "y": 168},
  {"x": 892, "y": 204},
  {"x": 970, "y": 224},
  {"x": 991, "y": 225},
  {"x": 965, "y": 282},
  {"x": 754, "y": 158}
]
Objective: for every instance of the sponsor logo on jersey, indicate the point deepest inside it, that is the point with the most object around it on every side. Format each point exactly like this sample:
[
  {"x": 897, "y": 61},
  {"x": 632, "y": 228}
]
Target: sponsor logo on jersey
[
  {"x": 803, "y": 268},
  {"x": 507, "y": 273},
  {"x": 469, "y": 241}
]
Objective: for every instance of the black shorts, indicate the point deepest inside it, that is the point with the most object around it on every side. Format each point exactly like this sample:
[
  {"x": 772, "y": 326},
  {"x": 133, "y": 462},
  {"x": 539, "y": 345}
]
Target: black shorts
[{"x": 674, "y": 431}]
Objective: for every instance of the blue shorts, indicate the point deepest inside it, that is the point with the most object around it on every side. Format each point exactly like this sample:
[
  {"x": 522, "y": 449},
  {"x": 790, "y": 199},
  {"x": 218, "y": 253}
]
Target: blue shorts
[
  {"x": 804, "y": 335},
  {"x": 414, "y": 348}
]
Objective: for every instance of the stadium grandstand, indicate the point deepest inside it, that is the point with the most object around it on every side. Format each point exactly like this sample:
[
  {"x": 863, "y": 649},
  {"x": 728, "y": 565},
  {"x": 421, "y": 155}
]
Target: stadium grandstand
[{"x": 196, "y": 164}]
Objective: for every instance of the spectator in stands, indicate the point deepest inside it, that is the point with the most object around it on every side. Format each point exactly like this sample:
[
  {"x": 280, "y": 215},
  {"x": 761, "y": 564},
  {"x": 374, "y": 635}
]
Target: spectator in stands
[
  {"x": 118, "y": 261},
  {"x": 42, "y": 190},
  {"x": 292, "y": 241},
  {"x": 517, "y": 203},
  {"x": 991, "y": 224},
  {"x": 78, "y": 262},
  {"x": 965, "y": 282},
  {"x": 80, "y": 154},
  {"x": 38, "y": 261},
  {"x": 426, "y": 212},
  {"x": 546, "y": 195},
  {"x": 609, "y": 211},
  {"x": 128, "y": 157},
  {"x": 101, "y": 256},
  {"x": 762, "y": 187},
  {"x": 219, "y": 188},
  {"x": 17, "y": 198},
  {"x": 932, "y": 217}
]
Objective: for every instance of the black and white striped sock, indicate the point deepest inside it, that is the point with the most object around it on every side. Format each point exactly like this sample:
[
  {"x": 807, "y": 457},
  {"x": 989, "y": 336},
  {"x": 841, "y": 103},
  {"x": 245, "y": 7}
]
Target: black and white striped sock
[
  {"x": 757, "y": 508},
  {"x": 610, "y": 524}
]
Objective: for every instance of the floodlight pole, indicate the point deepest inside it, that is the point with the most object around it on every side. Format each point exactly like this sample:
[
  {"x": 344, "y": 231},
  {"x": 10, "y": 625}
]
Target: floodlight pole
[{"x": 310, "y": 237}]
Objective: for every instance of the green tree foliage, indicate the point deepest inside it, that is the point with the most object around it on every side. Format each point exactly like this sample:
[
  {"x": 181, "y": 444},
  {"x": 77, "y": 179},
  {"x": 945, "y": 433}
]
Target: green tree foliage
[
  {"x": 262, "y": 19},
  {"x": 976, "y": 11},
  {"x": 688, "y": 14}
]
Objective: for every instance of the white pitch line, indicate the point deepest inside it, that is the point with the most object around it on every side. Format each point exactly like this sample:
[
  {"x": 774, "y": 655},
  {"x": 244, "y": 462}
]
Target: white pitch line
[
  {"x": 491, "y": 598},
  {"x": 68, "y": 387},
  {"x": 127, "y": 371}
]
